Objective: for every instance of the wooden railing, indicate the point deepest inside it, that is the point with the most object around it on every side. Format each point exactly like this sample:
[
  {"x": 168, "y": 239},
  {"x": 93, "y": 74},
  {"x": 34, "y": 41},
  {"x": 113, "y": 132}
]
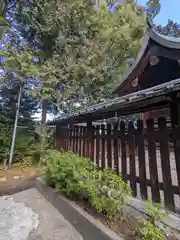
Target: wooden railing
[{"x": 148, "y": 158}]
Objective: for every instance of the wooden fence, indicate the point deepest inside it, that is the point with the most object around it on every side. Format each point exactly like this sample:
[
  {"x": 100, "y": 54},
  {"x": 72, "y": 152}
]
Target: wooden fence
[{"x": 142, "y": 156}]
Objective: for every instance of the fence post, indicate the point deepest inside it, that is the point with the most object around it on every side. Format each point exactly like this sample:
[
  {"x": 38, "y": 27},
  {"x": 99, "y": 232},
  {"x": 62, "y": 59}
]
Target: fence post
[
  {"x": 57, "y": 140},
  {"x": 141, "y": 159},
  {"x": 165, "y": 164},
  {"x": 123, "y": 151},
  {"x": 109, "y": 145},
  {"x": 103, "y": 147},
  {"x": 76, "y": 139},
  {"x": 89, "y": 137},
  {"x": 132, "y": 159},
  {"x": 80, "y": 140},
  {"x": 97, "y": 150},
  {"x": 115, "y": 148},
  {"x": 153, "y": 160},
  {"x": 70, "y": 139},
  {"x": 92, "y": 144},
  {"x": 175, "y": 124}
]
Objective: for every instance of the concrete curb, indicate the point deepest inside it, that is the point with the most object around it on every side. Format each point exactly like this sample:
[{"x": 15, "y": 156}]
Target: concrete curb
[{"x": 85, "y": 224}]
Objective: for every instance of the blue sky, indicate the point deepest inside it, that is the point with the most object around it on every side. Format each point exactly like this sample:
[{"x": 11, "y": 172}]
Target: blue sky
[{"x": 169, "y": 10}]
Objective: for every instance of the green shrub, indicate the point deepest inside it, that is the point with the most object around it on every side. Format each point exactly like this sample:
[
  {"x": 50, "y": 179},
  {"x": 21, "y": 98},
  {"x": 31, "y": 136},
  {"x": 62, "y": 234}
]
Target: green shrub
[
  {"x": 77, "y": 177},
  {"x": 151, "y": 228},
  {"x": 110, "y": 193},
  {"x": 65, "y": 171},
  {"x": 151, "y": 232},
  {"x": 155, "y": 212}
]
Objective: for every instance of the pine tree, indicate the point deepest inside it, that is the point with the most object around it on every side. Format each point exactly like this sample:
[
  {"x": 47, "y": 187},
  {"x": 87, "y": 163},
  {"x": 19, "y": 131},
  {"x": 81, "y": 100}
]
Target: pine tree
[
  {"x": 171, "y": 29},
  {"x": 80, "y": 50}
]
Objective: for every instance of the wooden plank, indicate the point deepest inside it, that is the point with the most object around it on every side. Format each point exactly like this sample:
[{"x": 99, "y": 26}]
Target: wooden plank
[
  {"x": 123, "y": 151},
  {"x": 109, "y": 146},
  {"x": 58, "y": 147},
  {"x": 103, "y": 163},
  {"x": 73, "y": 139},
  {"x": 132, "y": 161},
  {"x": 84, "y": 141},
  {"x": 64, "y": 139},
  {"x": 165, "y": 164},
  {"x": 141, "y": 158},
  {"x": 153, "y": 161},
  {"x": 115, "y": 148},
  {"x": 61, "y": 138},
  {"x": 76, "y": 139},
  {"x": 80, "y": 140},
  {"x": 175, "y": 122},
  {"x": 160, "y": 184},
  {"x": 92, "y": 144},
  {"x": 70, "y": 138},
  {"x": 97, "y": 145},
  {"x": 89, "y": 137}
]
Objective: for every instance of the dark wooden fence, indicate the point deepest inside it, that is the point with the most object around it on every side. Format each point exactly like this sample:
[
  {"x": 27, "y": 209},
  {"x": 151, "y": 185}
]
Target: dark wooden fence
[{"x": 148, "y": 158}]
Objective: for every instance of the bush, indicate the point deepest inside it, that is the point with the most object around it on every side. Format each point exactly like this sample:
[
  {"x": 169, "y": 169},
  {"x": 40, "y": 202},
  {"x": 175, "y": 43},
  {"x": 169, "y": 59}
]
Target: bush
[
  {"x": 65, "y": 171},
  {"x": 76, "y": 176},
  {"x": 110, "y": 193},
  {"x": 151, "y": 228}
]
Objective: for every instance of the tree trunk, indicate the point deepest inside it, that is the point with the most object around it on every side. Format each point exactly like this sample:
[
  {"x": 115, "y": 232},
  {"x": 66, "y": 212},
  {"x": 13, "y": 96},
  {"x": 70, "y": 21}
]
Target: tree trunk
[{"x": 43, "y": 128}]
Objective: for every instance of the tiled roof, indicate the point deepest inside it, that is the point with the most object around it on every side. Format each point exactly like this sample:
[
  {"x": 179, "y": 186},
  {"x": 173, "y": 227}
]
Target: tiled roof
[{"x": 143, "y": 100}]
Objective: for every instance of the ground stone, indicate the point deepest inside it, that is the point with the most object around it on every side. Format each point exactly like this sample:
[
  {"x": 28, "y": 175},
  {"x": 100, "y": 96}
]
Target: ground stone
[
  {"x": 2, "y": 179},
  {"x": 29, "y": 216},
  {"x": 16, "y": 220}
]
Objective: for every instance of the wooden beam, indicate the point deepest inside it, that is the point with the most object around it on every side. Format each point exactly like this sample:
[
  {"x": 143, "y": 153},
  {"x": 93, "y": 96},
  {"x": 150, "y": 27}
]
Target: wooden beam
[{"x": 159, "y": 51}]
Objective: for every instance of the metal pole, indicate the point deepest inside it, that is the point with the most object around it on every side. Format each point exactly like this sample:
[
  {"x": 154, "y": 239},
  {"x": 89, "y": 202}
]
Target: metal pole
[{"x": 15, "y": 127}]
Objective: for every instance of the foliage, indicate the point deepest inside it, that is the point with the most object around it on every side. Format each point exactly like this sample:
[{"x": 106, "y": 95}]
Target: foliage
[
  {"x": 110, "y": 193},
  {"x": 74, "y": 51},
  {"x": 25, "y": 163},
  {"x": 18, "y": 63},
  {"x": 25, "y": 144},
  {"x": 151, "y": 229},
  {"x": 87, "y": 45},
  {"x": 77, "y": 177},
  {"x": 154, "y": 7},
  {"x": 8, "y": 100},
  {"x": 5, "y": 140},
  {"x": 171, "y": 29},
  {"x": 3, "y": 23},
  {"x": 155, "y": 212},
  {"x": 122, "y": 33},
  {"x": 151, "y": 232}
]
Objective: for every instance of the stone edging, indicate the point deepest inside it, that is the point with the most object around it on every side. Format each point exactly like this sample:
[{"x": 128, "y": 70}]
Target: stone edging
[{"x": 84, "y": 223}]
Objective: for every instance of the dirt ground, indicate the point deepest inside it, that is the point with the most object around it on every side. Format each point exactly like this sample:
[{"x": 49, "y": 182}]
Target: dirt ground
[{"x": 17, "y": 175}]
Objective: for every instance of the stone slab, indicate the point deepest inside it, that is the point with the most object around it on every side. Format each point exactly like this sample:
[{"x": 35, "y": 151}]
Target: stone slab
[{"x": 29, "y": 216}]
